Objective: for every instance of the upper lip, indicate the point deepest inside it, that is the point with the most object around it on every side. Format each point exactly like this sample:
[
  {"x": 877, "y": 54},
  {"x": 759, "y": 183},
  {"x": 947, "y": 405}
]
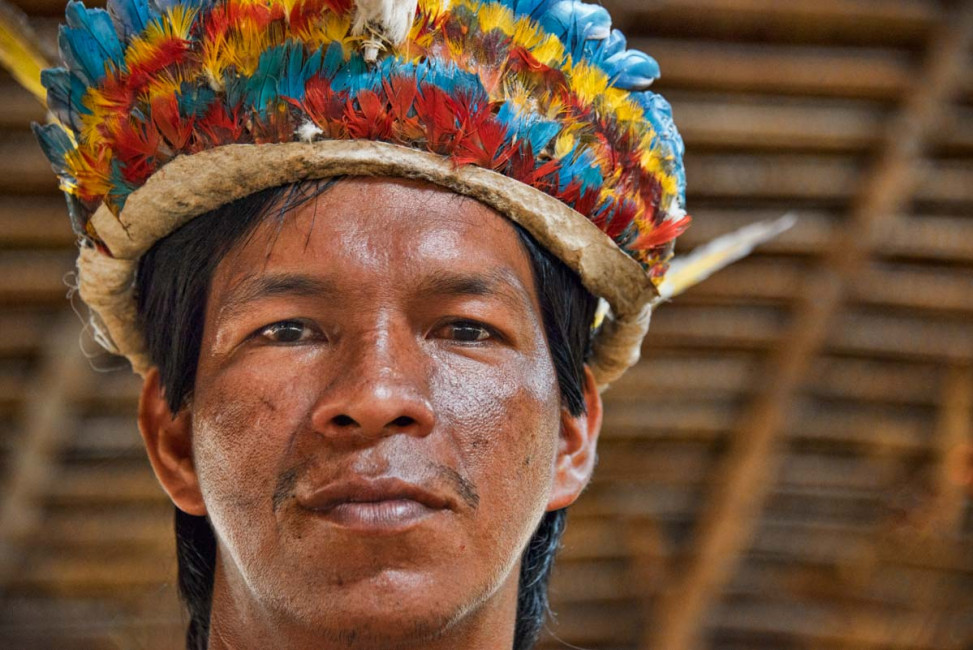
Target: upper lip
[{"x": 363, "y": 490}]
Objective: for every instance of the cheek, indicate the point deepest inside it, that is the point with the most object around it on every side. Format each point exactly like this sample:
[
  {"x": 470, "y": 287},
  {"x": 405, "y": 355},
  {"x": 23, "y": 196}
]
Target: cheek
[
  {"x": 242, "y": 427},
  {"x": 506, "y": 420}
]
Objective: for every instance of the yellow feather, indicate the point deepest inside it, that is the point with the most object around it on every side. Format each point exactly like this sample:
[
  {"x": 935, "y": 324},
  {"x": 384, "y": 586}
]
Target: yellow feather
[
  {"x": 174, "y": 24},
  {"x": 657, "y": 164},
  {"x": 180, "y": 21},
  {"x": 19, "y": 53},
  {"x": 588, "y": 82},
  {"x": 214, "y": 62},
  {"x": 690, "y": 270},
  {"x": 95, "y": 183},
  {"x": 495, "y": 16},
  {"x": 330, "y": 28},
  {"x": 433, "y": 8},
  {"x": 550, "y": 52}
]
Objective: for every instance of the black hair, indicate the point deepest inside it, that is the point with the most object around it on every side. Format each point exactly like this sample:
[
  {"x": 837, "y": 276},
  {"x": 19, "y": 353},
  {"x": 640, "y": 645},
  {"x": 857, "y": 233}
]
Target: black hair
[{"x": 172, "y": 287}]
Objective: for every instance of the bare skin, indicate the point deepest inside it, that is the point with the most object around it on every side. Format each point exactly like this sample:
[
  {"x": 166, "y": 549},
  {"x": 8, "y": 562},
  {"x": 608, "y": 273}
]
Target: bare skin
[{"x": 376, "y": 429}]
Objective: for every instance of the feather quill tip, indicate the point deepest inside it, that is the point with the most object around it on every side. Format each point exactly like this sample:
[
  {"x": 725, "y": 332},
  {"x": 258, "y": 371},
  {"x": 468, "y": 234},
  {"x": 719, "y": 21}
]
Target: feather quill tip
[{"x": 688, "y": 271}]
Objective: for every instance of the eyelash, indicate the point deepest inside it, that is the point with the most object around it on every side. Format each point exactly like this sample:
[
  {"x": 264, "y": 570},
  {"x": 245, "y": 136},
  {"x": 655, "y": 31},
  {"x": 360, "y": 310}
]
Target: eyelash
[
  {"x": 263, "y": 332},
  {"x": 472, "y": 324},
  {"x": 266, "y": 332}
]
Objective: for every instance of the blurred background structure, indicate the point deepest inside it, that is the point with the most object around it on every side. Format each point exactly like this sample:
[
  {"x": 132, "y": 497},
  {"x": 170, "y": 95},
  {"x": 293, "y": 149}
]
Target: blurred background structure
[{"x": 789, "y": 466}]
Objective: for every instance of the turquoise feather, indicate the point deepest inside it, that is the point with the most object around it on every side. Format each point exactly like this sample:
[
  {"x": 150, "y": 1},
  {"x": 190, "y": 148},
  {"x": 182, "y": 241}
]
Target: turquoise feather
[
  {"x": 261, "y": 89},
  {"x": 581, "y": 167},
  {"x": 162, "y": 6},
  {"x": 90, "y": 42},
  {"x": 130, "y": 17},
  {"x": 530, "y": 8},
  {"x": 576, "y": 23},
  {"x": 632, "y": 70},
  {"x": 194, "y": 100},
  {"x": 659, "y": 114},
  {"x": 65, "y": 92},
  {"x": 56, "y": 145}
]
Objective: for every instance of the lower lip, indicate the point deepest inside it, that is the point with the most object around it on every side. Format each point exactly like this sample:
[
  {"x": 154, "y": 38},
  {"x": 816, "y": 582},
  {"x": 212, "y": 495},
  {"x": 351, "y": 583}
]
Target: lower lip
[{"x": 391, "y": 516}]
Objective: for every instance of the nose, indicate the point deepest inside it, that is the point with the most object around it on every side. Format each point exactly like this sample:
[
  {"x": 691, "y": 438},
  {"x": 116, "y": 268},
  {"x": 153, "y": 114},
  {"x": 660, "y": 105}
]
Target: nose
[{"x": 380, "y": 390}]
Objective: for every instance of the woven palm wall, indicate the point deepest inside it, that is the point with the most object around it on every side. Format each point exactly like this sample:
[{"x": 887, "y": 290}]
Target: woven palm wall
[{"x": 788, "y": 467}]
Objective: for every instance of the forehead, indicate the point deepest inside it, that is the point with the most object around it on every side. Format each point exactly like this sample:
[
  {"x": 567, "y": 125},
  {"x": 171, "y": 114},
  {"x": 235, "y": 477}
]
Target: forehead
[{"x": 379, "y": 231}]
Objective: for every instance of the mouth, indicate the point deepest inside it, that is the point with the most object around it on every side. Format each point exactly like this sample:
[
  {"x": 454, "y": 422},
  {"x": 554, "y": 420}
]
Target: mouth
[{"x": 375, "y": 506}]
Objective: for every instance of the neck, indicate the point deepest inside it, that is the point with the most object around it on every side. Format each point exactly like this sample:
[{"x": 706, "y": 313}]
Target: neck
[{"x": 238, "y": 621}]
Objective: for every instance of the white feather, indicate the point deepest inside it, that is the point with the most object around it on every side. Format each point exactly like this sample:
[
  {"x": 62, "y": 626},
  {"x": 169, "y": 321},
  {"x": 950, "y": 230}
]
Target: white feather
[
  {"x": 704, "y": 261},
  {"x": 308, "y": 132},
  {"x": 384, "y": 23}
]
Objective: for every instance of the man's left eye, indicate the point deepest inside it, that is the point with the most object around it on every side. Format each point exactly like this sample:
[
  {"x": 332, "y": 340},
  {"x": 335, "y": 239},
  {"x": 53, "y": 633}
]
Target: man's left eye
[
  {"x": 288, "y": 331},
  {"x": 467, "y": 332}
]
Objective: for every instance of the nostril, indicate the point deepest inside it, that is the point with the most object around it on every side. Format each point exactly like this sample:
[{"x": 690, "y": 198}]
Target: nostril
[
  {"x": 343, "y": 420},
  {"x": 403, "y": 421}
]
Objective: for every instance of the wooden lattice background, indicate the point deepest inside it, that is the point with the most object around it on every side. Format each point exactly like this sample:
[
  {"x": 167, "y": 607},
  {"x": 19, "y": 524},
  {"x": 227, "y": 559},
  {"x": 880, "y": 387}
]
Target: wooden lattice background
[{"x": 787, "y": 468}]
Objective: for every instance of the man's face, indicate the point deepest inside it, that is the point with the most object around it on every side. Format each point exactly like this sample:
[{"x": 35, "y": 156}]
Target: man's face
[{"x": 376, "y": 414}]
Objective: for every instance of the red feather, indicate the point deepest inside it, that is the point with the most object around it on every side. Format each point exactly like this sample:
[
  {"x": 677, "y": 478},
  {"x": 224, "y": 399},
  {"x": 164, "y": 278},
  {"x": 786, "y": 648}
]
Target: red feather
[
  {"x": 277, "y": 125},
  {"x": 582, "y": 202},
  {"x": 371, "y": 120},
  {"x": 663, "y": 233},
  {"x": 173, "y": 128},
  {"x": 167, "y": 53},
  {"x": 483, "y": 144},
  {"x": 437, "y": 110},
  {"x": 324, "y": 106},
  {"x": 621, "y": 217},
  {"x": 136, "y": 145},
  {"x": 220, "y": 126},
  {"x": 306, "y": 12}
]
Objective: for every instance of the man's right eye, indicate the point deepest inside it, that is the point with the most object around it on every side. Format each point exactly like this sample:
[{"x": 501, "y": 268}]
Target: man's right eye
[{"x": 288, "y": 331}]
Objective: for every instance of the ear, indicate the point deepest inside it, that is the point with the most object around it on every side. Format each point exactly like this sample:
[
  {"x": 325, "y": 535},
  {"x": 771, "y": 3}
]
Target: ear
[
  {"x": 169, "y": 442},
  {"x": 577, "y": 448}
]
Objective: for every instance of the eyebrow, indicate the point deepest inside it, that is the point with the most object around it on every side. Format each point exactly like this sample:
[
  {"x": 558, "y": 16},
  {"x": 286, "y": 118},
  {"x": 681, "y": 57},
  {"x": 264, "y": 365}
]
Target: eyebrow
[
  {"x": 501, "y": 283},
  {"x": 254, "y": 288}
]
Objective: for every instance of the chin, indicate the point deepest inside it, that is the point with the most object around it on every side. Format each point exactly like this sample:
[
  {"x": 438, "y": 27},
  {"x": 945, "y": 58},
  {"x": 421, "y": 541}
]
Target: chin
[{"x": 391, "y": 608}]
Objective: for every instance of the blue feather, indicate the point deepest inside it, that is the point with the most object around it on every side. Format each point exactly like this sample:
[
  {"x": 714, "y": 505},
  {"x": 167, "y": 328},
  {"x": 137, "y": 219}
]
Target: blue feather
[
  {"x": 577, "y": 20},
  {"x": 120, "y": 188},
  {"x": 82, "y": 54},
  {"x": 541, "y": 133},
  {"x": 581, "y": 167},
  {"x": 194, "y": 100},
  {"x": 97, "y": 24},
  {"x": 130, "y": 17},
  {"x": 77, "y": 214},
  {"x": 659, "y": 114},
  {"x": 313, "y": 67},
  {"x": 614, "y": 44},
  {"x": 536, "y": 131},
  {"x": 291, "y": 84},
  {"x": 452, "y": 79},
  {"x": 632, "y": 70},
  {"x": 235, "y": 89},
  {"x": 261, "y": 89},
  {"x": 334, "y": 58},
  {"x": 354, "y": 76},
  {"x": 56, "y": 144},
  {"x": 162, "y": 6},
  {"x": 530, "y": 8},
  {"x": 65, "y": 95}
]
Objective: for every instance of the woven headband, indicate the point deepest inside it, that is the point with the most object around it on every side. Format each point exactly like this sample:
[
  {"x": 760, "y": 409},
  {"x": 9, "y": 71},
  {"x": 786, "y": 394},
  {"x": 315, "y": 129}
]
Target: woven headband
[{"x": 168, "y": 109}]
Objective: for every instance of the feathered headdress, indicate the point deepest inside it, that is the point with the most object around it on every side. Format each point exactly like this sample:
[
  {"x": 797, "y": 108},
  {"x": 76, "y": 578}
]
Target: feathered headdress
[{"x": 170, "y": 108}]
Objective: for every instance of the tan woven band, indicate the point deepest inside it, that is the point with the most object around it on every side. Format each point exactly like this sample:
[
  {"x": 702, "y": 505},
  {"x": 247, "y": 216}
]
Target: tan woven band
[{"x": 193, "y": 185}]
